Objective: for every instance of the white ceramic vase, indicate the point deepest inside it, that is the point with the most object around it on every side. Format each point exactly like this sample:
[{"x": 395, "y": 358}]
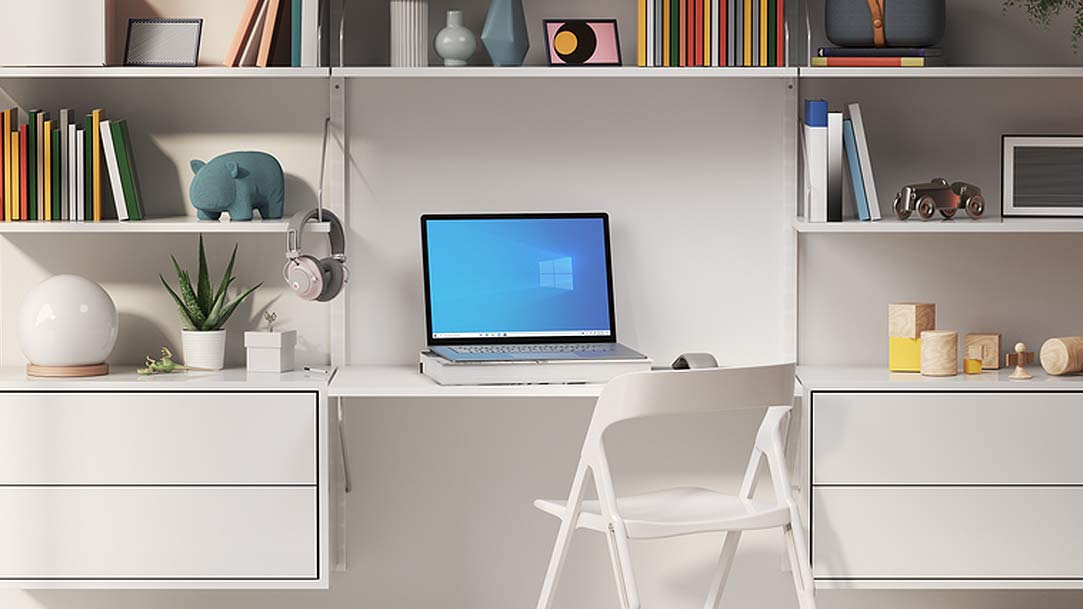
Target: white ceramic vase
[
  {"x": 409, "y": 33},
  {"x": 455, "y": 43},
  {"x": 205, "y": 350},
  {"x": 67, "y": 320}
]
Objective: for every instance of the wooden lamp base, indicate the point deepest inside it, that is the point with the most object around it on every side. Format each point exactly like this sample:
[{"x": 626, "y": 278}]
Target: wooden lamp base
[{"x": 67, "y": 371}]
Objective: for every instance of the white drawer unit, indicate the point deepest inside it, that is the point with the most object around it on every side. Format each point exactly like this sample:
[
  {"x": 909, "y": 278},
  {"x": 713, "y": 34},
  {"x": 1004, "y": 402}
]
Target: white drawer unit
[
  {"x": 202, "y": 482},
  {"x": 965, "y": 482}
]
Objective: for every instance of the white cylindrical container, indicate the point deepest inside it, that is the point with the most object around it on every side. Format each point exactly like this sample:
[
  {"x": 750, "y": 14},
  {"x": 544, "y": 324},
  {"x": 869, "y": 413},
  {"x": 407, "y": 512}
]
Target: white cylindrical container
[
  {"x": 409, "y": 33},
  {"x": 205, "y": 350}
]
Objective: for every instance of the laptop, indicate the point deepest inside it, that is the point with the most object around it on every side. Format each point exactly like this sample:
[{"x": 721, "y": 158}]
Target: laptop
[{"x": 520, "y": 287}]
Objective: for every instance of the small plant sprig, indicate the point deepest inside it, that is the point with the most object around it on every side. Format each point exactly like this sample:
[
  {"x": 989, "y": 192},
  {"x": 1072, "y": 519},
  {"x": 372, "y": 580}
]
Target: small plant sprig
[
  {"x": 1042, "y": 13},
  {"x": 270, "y": 317},
  {"x": 202, "y": 309}
]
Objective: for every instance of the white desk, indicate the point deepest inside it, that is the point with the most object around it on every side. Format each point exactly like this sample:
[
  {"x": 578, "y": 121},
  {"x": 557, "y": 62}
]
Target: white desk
[{"x": 962, "y": 482}]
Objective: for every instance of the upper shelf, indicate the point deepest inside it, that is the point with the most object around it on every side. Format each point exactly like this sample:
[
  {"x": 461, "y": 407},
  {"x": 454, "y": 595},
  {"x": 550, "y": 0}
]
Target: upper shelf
[
  {"x": 945, "y": 72},
  {"x": 181, "y": 224},
  {"x": 163, "y": 72},
  {"x": 959, "y": 225},
  {"x": 562, "y": 72}
]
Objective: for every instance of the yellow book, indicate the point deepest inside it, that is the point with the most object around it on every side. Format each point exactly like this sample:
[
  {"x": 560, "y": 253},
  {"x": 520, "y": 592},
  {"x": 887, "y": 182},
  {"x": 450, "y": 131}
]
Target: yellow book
[
  {"x": 48, "y": 170},
  {"x": 96, "y": 156},
  {"x": 708, "y": 43},
  {"x": 641, "y": 57},
  {"x": 763, "y": 32},
  {"x": 666, "y": 59},
  {"x": 15, "y": 177},
  {"x": 747, "y": 25}
]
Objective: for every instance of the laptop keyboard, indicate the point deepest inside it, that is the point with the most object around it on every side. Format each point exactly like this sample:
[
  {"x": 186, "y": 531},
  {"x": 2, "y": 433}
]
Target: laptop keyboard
[{"x": 557, "y": 348}]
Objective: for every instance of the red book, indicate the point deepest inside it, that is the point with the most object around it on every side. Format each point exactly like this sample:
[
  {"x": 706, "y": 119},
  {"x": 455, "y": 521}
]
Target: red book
[
  {"x": 697, "y": 27},
  {"x": 781, "y": 37},
  {"x": 24, "y": 209},
  {"x": 722, "y": 40},
  {"x": 869, "y": 62}
]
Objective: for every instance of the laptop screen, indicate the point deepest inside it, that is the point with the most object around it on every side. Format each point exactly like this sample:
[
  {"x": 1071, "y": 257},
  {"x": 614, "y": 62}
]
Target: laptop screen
[{"x": 518, "y": 278}]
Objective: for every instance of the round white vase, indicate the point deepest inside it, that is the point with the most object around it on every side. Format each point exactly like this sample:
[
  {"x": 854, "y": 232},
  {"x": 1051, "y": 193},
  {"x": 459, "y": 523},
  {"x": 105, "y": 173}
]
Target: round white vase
[
  {"x": 67, "y": 320},
  {"x": 456, "y": 44},
  {"x": 206, "y": 350}
]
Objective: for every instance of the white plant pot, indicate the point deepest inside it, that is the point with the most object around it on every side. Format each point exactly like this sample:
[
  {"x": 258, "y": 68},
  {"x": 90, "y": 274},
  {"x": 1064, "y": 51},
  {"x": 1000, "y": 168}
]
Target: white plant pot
[{"x": 204, "y": 349}]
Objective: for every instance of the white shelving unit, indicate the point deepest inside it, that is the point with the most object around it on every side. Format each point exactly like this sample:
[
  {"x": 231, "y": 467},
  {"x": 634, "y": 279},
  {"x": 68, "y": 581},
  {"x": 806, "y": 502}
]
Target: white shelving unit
[
  {"x": 164, "y": 72},
  {"x": 547, "y": 72},
  {"x": 998, "y": 72},
  {"x": 180, "y": 225},
  {"x": 939, "y": 226}
]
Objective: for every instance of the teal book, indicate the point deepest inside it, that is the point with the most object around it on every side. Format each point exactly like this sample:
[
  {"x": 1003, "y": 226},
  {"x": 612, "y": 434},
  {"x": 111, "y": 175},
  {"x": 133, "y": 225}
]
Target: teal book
[
  {"x": 849, "y": 142},
  {"x": 55, "y": 173},
  {"x": 31, "y": 164},
  {"x": 295, "y": 34},
  {"x": 88, "y": 172},
  {"x": 133, "y": 196}
]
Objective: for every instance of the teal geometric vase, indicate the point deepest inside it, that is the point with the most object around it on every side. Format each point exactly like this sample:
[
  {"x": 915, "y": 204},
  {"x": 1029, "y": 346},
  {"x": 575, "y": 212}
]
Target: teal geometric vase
[{"x": 505, "y": 35}]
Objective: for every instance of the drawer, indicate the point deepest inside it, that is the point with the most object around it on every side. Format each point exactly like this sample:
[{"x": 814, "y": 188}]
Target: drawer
[
  {"x": 947, "y": 438},
  {"x": 158, "y": 438},
  {"x": 129, "y": 533},
  {"x": 947, "y": 532}
]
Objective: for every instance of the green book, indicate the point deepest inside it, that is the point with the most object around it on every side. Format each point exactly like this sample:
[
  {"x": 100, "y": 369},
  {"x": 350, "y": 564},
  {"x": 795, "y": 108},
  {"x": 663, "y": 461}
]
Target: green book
[
  {"x": 56, "y": 169},
  {"x": 674, "y": 33},
  {"x": 88, "y": 170},
  {"x": 772, "y": 32},
  {"x": 295, "y": 37},
  {"x": 129, "y": 181},
  {"x": 31, "y": 164}
]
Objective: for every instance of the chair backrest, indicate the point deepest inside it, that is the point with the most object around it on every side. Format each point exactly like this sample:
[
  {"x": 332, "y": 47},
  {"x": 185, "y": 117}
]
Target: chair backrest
[{"x": 662, "y": 393}]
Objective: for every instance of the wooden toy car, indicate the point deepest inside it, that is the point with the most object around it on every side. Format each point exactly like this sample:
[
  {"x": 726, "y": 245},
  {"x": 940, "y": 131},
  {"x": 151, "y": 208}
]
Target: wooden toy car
[{"x": 938, "y": 195}]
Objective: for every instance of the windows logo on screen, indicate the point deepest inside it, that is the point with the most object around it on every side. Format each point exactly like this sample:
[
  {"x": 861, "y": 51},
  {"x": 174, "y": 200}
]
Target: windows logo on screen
[{"x": 556, "y": 273}]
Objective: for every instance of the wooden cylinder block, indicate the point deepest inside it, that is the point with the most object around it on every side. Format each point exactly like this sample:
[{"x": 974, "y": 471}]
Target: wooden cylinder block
[
  {"x": 939, "y": 353},
  {"x": 1063, "y": 355}
]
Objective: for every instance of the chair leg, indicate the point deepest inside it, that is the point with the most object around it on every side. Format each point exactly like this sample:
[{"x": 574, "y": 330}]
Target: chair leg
[
  {"x": 618, "y": 570},
  {"x": 624, "y": 559},
  {"x": 799, "y": 565},
  {"x": 556, "y": 564},
  {"x": 722, "y": 573}
]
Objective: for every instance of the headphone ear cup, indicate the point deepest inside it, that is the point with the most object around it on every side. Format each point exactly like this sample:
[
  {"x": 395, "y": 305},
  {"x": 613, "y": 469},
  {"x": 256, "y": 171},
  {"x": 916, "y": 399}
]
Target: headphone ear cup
[
  {"x": 306, "y": 277},
  {"x": 335, "y": 277}
]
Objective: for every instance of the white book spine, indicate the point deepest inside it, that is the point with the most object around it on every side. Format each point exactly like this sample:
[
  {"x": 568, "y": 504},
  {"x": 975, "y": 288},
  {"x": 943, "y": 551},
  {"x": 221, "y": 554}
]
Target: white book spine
[
  {"x": 114, "y": 171},
  {"x": 650, "y": 33},
  {"x": 715, "y": 38},
  {"x": 73, "y": 172},
  {"x": 866, "y": 161},
  {"x": 80, "y": 162},
  {"x": 834, "y": 167},
  {"x": 816, "y": 173},
  {"x": 310, "y": 26}
]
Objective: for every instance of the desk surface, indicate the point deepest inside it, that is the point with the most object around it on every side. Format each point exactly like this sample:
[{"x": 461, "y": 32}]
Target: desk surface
[
  {"x": 407, "y": 382},
  {"x": 845, "y": 378}
]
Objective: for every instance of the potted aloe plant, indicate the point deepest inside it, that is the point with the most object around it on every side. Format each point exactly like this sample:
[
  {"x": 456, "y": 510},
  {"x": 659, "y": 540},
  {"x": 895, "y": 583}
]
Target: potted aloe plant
[{"x": 204, "y": 311}]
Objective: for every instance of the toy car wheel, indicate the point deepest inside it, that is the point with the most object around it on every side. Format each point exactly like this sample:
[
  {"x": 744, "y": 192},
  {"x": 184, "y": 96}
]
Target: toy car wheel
[
  {"x": 975, "y": 207},
  {"x": 948, "y": 213},
  {"x": 900, "y": 209},
  {"x": 926, "y": 207}
]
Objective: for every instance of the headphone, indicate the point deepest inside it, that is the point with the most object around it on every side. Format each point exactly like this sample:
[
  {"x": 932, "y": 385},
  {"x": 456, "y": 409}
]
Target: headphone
[{"x": 311, "y": 278}]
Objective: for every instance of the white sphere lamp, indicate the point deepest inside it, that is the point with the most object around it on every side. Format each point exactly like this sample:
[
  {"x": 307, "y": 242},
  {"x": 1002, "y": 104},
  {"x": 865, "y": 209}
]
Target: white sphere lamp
[{"x": 67, "y": 328}]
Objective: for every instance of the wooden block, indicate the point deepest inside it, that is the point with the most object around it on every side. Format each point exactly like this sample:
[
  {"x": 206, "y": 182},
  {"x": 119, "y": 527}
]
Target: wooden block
[
  {"x": 990, "y": 348},
  {"x": 910, "y": 319},
  {"x": 904, "y": 354},
  {"x": 1063, "y": 355},
  {"x": 939, "y": 353}
]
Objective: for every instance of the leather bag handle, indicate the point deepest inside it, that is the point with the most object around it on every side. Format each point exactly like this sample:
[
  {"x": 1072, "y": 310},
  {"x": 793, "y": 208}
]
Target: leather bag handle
[{"x": 876, "y": 9}]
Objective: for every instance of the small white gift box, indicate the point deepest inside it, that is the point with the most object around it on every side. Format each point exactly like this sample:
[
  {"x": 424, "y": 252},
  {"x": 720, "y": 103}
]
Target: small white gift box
[{"x": 270, "y": 351}]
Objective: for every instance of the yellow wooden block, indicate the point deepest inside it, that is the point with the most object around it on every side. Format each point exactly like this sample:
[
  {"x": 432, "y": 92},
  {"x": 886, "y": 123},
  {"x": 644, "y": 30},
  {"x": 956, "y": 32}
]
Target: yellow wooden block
[{"x": 904, "y": 354}]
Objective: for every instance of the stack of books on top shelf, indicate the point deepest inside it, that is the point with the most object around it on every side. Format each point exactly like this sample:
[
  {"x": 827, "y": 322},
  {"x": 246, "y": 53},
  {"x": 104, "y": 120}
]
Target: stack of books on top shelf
[
  {"x": 712, "y": 33},
  {"x": 61, "y": 171},
  {"x": 276, "y": 33},
  {"x": 836, "y": 151},
  {"x": 855, "y": 57}
]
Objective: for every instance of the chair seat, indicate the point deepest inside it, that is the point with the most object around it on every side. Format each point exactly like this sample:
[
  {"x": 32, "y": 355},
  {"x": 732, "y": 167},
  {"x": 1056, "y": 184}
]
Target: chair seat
[{"x": 677, "y": 511}]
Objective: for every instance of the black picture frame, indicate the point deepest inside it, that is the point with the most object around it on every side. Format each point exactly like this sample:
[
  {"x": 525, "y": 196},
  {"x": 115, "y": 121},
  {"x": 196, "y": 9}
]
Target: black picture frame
[
  {"x": 548, "y": 43},
  {"x": 166, "y": 62}
]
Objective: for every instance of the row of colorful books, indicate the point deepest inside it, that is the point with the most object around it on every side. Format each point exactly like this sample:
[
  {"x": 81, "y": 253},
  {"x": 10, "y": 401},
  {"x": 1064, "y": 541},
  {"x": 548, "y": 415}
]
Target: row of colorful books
[
  {"x": 854, "y": 57},
  {"x": 59, "y": 170},
  {"x": 712, "y": 33}
]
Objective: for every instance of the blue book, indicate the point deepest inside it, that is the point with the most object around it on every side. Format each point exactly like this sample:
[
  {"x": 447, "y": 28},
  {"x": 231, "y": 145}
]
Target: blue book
[{"x": 849, "y": 142}]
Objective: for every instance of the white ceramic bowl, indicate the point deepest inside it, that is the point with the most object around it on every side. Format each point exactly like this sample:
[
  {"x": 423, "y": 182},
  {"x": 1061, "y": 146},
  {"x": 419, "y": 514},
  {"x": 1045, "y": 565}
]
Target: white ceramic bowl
[{"x": 67, "y": 320}]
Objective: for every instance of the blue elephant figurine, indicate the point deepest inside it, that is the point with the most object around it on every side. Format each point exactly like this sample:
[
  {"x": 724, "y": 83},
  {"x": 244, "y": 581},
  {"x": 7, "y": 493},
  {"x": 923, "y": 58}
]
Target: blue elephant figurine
[{"x": 237, "y": 183}]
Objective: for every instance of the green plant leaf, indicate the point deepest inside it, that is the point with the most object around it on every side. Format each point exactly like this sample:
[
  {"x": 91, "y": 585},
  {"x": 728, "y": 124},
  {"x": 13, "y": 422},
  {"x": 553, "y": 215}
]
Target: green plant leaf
[
  {"x": 216, "y": 311},
  {"x": 227, "y": 277},
  {"x": 228, "y": 309},
  {"x": 189, "y": 298},
  {"x": 185, "y": 319},
  {"x": 203, "y": 282}
]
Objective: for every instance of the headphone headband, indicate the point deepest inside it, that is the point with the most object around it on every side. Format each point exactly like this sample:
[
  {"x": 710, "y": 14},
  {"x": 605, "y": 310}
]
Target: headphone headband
[{"x": 296, "y": 230}]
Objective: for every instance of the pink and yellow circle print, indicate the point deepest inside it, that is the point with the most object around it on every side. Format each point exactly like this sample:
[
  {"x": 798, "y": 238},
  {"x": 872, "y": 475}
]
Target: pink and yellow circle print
[{"x": 582, "y": 42}]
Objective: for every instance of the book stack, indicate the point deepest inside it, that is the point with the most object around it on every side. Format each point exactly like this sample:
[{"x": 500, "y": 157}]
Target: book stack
[
  {"x": 712, "y": 33},
  {"x": 280, "y": 33},
  {"x": 836, "y": 151},
  {"x": 61, "y": 170},
  {"x": 854, "y": 57}
]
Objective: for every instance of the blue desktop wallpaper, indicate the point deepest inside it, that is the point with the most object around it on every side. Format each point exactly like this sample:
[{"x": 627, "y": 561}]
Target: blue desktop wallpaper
[{"x": 517, "y": 275}]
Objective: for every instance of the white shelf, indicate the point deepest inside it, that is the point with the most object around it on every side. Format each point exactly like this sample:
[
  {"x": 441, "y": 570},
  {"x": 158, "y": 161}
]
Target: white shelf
[
  {"x": 959, "y": 225},
  {"x": 183, "y": 224},
  {"x": 879, "y": 378},
  {"x": 126, "y": 378},
  {"x": 563, "y": 72},
  {"x": 945, "y": 72},
  {"x": 407, "y": 382},
  {"x": 163, "y": 72}
]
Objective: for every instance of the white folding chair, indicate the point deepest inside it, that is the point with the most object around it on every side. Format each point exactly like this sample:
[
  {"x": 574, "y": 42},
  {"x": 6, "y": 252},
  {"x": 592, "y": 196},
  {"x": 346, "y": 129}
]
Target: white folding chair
[{"x": 684, "y": 511}]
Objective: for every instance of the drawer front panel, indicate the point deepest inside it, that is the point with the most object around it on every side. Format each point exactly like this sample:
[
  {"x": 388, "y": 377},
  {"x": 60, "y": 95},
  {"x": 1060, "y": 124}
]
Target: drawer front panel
[
  {"x": 947, "y": 533},
  {"x": 131, "y": 533},
  {"x": 940, "y": 438},
  {"x": 158, "y": 438}
]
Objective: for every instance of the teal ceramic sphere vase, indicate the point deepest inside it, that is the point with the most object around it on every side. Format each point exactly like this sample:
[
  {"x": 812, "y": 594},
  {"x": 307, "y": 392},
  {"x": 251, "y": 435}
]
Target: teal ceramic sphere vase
[{"x": 505, "y": 34}]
